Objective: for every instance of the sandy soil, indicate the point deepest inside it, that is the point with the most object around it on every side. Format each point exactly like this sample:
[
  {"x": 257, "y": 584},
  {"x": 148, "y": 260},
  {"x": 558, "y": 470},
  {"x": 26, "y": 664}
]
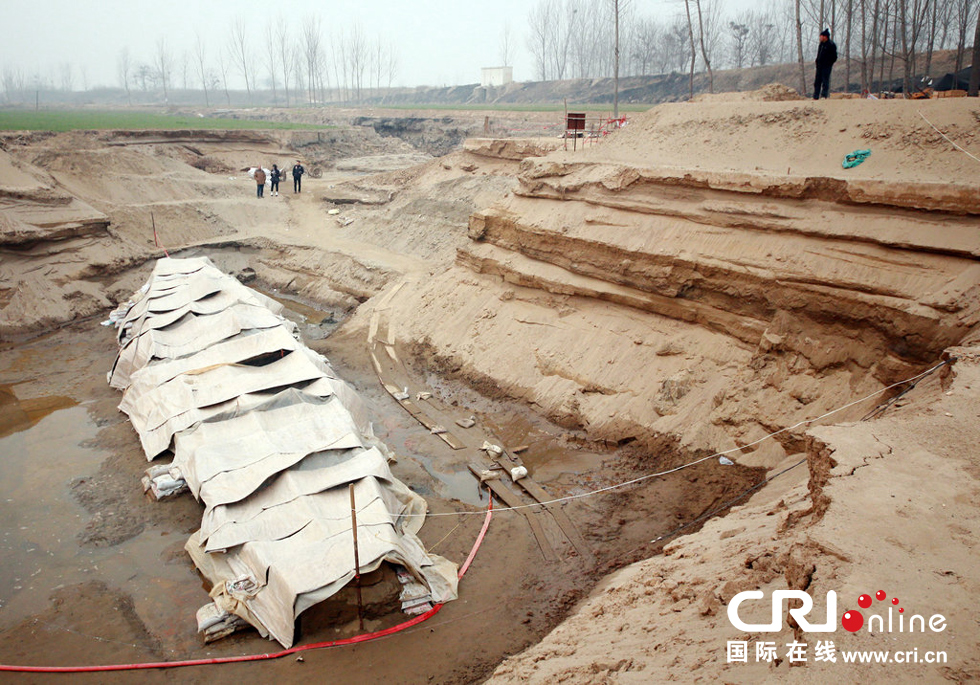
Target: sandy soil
[{"x": 699, "y": 279}]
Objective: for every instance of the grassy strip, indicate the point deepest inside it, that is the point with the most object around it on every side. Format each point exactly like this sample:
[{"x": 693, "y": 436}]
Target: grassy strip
[{"x": 73, "y": 120}]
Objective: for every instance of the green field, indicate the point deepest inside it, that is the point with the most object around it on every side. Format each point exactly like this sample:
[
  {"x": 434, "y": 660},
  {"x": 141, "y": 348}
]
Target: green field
[{"x": 73, "y": 120}]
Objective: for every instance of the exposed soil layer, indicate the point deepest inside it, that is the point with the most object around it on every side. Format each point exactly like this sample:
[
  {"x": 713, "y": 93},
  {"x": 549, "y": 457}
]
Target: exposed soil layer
[{"x": 702, "y": 278}]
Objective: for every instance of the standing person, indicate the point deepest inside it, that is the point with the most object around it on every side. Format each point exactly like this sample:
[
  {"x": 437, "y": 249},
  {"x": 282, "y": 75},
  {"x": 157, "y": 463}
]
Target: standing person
[
  {"x": 298, "y": 172},
  {"x": 259, "y": 181},
  {"x": 274, "y": 177},
  {"x": 826, "y": 56}
]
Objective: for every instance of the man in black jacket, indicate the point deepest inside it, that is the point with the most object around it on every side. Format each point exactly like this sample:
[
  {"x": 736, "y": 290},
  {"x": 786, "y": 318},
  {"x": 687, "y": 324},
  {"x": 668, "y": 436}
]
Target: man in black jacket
[
  {"x": 826, "y": 56},
  {"x": 298, "y": 172}
]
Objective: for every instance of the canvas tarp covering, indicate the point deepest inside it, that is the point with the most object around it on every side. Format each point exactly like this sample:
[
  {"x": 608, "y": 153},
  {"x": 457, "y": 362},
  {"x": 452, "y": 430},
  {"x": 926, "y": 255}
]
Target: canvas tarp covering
[{"x": 269, "y": 439}]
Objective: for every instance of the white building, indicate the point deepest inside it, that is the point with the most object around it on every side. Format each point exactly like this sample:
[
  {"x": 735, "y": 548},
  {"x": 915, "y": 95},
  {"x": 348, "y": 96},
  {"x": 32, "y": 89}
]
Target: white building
[{"x": 496, "y": 76}]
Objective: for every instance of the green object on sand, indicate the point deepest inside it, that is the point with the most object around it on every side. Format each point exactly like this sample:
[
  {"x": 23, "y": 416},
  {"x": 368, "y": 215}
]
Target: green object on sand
[{"x": 852, "y": 159}]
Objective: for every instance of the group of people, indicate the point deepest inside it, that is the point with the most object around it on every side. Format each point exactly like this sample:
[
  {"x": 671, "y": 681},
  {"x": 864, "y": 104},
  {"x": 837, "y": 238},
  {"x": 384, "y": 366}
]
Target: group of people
[{"x": 274, "y": 176}]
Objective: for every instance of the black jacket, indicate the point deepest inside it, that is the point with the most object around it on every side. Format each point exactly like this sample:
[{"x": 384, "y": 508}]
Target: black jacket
[
  {"x": 826, "y": 54},
  {"x": 298, "y": 171}
]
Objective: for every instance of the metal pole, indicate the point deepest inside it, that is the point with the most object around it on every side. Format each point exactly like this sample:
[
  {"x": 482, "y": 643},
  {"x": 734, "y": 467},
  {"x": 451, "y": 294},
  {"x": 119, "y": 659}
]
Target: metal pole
[{"x": 357, "y": 560}]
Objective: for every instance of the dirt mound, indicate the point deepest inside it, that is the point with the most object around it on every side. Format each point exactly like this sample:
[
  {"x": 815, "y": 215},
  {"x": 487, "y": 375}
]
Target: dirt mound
[
  {"x": 794, "y": 139},
  {"x": 772, "y": 92}
]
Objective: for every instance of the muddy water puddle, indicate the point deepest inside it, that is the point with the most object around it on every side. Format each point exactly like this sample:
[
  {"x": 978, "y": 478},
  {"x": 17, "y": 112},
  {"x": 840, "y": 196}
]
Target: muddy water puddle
[
  {"x": 41, "y": 549},
  {"x": 39, "y": 518}
]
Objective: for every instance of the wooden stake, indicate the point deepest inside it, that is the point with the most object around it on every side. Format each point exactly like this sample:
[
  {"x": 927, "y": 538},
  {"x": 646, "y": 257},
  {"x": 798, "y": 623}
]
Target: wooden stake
[
  {"x": 357, "y": 560},
  {"x": 565, "y": 123}
]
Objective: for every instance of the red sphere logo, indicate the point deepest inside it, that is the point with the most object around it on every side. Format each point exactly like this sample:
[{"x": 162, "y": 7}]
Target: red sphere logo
[{"x": 852, "y": 621}]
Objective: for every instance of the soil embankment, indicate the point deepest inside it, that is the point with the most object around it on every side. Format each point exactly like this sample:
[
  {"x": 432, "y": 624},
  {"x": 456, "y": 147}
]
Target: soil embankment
[{"x": 690, "y": 284}]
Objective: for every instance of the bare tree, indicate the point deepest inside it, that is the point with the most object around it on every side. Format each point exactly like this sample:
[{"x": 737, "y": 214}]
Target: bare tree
[
  {"x": 340, "y": 56},
  {"x": 650, "y": 48},
  {"x": 592, "y": 30},
  {"x": 964, "y": 13},
  {"x": 704, "y": 49},
  {"x": 739, "y": 31},
  {"x": 239, "y": 49},
  {"x": 391, "y": 68},
  {"x": 124, "y": 70},
  {"x": 975, "y": 68},
  {"x": 378, "y": 60},
  {"x": 616, "y": 4},
  {"x": 357, "y": 49},
  {"x": 284, "y": 53},
  {"x": 272, "y": 61},
  {"x": 679, "y": 40},
  {"x": 312, "y": 40},
  {"x": 202, "y": 71},
  {"x": 163, "y": 62},
  {"x": 506, "y": 44},
  {"x": 67, "y": 77},
  {"x": 694, "y": 54},
  {"x": 538, "y": 39},
  {"x": 223, "y": 68},
  {"x": 185, "y": 70},
  {"x": 912, "y": 16},
  {"x": 561, "y": 19},
  {"x": 848, "y": 17},
  {"x": 763, "y": 44},
  {"x": 799, "y": 46}
]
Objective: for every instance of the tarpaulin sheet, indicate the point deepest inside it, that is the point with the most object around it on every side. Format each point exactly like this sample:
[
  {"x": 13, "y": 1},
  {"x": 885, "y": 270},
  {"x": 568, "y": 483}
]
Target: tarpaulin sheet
[
  {"x": 269, "y": 445},
  {"x": 192, "y": 333},
  {"x": 159, "y": 413},
  {"x": 241, "y": 453}
]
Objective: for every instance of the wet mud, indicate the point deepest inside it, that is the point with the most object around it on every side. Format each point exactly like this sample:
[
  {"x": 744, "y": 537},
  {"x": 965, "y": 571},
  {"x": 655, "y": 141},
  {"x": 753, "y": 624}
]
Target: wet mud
[{"x": 93, "y": 572}]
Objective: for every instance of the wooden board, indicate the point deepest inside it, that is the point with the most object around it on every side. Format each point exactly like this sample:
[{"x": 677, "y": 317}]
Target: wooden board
[
  {"x": 535, "y": 490},
  {"x": 411, "y": 407},
  {"x": 512, "y": 499}
]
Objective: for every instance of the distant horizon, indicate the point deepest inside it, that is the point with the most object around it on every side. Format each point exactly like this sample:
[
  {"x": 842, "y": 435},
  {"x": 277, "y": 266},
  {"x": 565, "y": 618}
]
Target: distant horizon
[{"x": 440, "y": 43}]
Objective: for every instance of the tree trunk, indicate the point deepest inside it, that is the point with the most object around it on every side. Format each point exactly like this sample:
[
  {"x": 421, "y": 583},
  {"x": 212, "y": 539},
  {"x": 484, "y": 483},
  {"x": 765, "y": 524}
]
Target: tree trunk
[
  {"x": 884, "y": 48},
  {"x": 799, "y": 49},
  {"x": 975, "y": 69},
  {"x": 865, "y": 87},
  {"x": 616, "y": 61},
  {"x": 932, "y": 37},
  {"x": 690, "y": 33},
  {"x": 891, "y": 62},
  {"x": 847, "y": 48},
  {"x": 704, "y": 52},
  {"x": 902, "y": 21}
]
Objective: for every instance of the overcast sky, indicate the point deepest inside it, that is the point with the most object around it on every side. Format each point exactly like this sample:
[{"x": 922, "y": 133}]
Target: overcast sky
[{"x": 438, "y": 42}]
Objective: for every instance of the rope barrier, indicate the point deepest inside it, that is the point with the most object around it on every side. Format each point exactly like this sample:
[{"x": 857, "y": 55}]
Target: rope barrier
[
  {"x": 357, "y": 639},
  {"x": 970, "y": 154}
]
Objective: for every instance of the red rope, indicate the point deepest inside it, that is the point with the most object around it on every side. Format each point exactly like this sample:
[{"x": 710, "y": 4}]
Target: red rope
[{"x": 366, "y": 637}]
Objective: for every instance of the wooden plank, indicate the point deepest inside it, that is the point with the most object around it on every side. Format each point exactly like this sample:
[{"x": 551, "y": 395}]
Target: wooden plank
[
  {"x": 561, "y": 518},
  {"x": 416, "y": 411},
  {"x": 511, "y": 499}
]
